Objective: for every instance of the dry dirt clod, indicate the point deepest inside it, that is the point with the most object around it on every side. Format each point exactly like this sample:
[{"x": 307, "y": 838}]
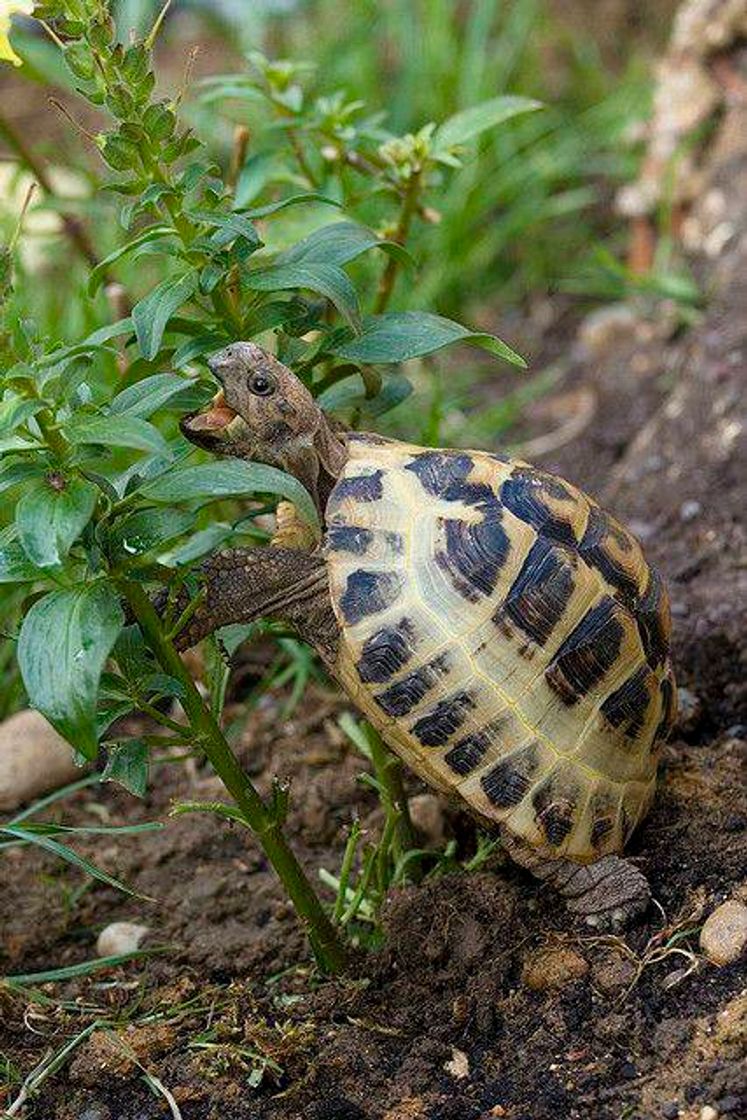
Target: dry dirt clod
[
  {"x": 552, "y": 968},
  {"x": 120, "y": 937},
  {"x": 33, "y": 759},
  {"x": 723, "y": 938}
]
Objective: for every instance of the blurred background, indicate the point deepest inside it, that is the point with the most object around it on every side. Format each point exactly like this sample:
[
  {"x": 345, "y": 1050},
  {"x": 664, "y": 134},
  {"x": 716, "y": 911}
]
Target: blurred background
[{"x": 525, "y": 237}]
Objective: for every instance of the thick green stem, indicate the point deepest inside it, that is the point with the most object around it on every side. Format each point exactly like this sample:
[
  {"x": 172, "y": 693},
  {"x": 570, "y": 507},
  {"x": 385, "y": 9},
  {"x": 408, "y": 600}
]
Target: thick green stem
[
  {"x": 388, "y": 771},
  {"x": 325, "y": 941},
  {"x": 409, "y": 206}
]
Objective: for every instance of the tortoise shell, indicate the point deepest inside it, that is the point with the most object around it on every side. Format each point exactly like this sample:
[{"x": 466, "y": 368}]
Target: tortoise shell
[{"x": 507, "y": 638}]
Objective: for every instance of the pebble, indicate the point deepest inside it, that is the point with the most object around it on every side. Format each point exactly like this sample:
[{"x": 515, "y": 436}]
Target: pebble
[
  {"x": 689, "y": 709},
  {"x": 427, "y": 815},
  {"x": 120, "y": 937},
  {"x": 708, "y": 1112},
  {"x": 670, "y": 1110},
  {"x": 552, "y": 968},
  {"x": 723, "y": 938},
  {"x": 33, "y": 759},
  {"x": 690, "y": 510}
]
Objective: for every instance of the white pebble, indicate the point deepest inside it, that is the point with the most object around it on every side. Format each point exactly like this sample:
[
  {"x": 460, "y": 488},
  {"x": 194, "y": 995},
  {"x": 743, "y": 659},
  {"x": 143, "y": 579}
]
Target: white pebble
[
  {"x": 708, "y": 1112},
  {"x": 120, "y": 937},
  {"x": 723, "y": 938},
  {"x": 33, "y": 759}
]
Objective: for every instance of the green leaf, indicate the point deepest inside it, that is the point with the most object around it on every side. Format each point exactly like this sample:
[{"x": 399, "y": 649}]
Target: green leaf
[
  {"x": 64, "y": 642},
  {"x": 98, "y": 274},
  {"x": 52, "y": 514},
  {"x": 293, "y": 200},
  {"x": 62, "y": 850},
  {"x": 340, "y": 242},
  {"x": 15, "y": 566},
  {"x": 230, "y": 478},
  {"x": 148, "y": 528},
  {"x": 11, "y": 473},
  {"x": 151, "y": 315},
  {"x": 94, "y": 341},
  {"x": 229, "y": 226},
  {"x": 350, "y": 394},
  {"x": 15, "y": 411},
  {"x": 118, "y": 431},
  {"x": 468, "y": 123},
  {"x": 328, "y": 280},
  {"x": 400, "y": 335},
  {"x": 127, "y": 764},
  {"x": 147, "y": 396},
  {"x": 198, "y": 544}
]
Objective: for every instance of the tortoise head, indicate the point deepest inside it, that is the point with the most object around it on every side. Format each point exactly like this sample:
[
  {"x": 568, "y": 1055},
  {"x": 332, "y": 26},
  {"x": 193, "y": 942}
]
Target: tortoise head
[{"x": 264, "y": 413}]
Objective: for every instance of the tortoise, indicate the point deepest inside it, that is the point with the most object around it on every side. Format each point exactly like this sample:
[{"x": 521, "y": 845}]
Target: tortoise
[{"x": 503, "y": 632}]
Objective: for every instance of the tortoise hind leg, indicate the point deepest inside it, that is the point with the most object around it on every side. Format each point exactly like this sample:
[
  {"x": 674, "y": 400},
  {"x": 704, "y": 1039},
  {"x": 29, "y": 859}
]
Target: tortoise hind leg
[{"x": 608, "y": 894}]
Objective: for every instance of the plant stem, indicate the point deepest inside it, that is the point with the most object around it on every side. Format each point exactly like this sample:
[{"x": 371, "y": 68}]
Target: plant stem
[
  {"x": 300, "y": 155},
  {"x": 388, "y": 772},
  {"x": 267, "y": 828},
  {"x": 409, "y": 206}
]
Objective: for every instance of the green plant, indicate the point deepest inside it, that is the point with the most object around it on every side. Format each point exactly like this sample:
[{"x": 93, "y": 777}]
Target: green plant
[{"x": 103, "y": 496}]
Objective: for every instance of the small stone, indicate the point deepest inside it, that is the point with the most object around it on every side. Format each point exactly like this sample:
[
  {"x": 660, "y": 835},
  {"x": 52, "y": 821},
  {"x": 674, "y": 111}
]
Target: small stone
[
  {"x": 690, "y": 510},
  {"x": 612, "y": 972},
  {"x": 708, "y": 1112},
  {"x": 723, "y": 938},
  {"x": 120, "y": 937},
  {"x": 33, "y": 759},
  {"x": 730, "y": 1105},
  {"x": 670, "y": 1110},
  {"x": 458, "y": 1064},
  {"x": 689, "y": 709},
  {"x": 552, "y": 968},
  {"x": 427, "y": 815}
]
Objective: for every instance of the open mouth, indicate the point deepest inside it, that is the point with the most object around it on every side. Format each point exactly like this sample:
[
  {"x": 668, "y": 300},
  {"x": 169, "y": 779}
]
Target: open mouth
[{"x": 216, "y": 417}]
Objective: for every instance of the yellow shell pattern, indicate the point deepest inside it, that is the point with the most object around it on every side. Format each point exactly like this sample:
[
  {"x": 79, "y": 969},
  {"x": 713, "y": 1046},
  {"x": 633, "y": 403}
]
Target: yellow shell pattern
[{"x": 507, "y": 638}]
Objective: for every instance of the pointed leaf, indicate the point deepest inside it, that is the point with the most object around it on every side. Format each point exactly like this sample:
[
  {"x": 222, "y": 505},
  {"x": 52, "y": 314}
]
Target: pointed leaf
[
  {"x": 99, "y": 272},
  {"x": 229, "y": 478},
  {"x": 147, "y": 396},
  {"x": 328, "y": 280},
  {"x": 118, "y": 431},
  {"x": 127, "y": 764},
  {"x": 52, "y": 514},
  {"x": 151, "y": 315},
  {"x": 400, "y": 335},
  {"x": 468, "y": 123},
  {"x": 339, "y": 243},
  {"x": 64, "y": 642}
]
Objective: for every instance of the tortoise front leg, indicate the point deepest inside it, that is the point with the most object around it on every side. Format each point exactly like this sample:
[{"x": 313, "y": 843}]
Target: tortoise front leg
[{"x": 243, "y": 584}]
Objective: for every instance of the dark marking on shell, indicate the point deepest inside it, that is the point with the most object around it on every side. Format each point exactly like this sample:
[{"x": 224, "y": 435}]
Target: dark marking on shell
[
  {"x": 628, "y": 705},
  {"x": 368, "y": 593},
  {"x": 361, "y": 488},
  {"x": 601, "y": 528},
  {"x": 588, "y": 652},
  {"x": 554, "y": 810},
  {"x": 540, "y": 592},
  {"x": 349, "y": 538},
  {"x": 395, "y": 541},
  {"x": 401, "y": 697},
  {"x": 526, "y": 494},
  {"x": 436, "y": 727},
  {"x": 475, "y": 554},
  {"x": 600, "y": 829},
  {"x": 443, "y": 474},
  {"x": 386, "y": 652},
  {"x": 507, "y": 782},
  {"x": 652, "y": 616},
  {"x": 469, "y": 752},
  {"x": 669, "y": 708}
]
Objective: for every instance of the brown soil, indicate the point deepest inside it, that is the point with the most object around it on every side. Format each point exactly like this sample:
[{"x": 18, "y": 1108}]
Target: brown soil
[{"x": 484, "y": 1000}]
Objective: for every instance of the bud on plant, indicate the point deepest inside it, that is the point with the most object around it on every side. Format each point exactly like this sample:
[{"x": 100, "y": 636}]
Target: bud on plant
[
  {"x": 159, "y": 122},
  {"x": 100, "y": 33},
  {"x": 120, "y": 154},
  {"x": 80, "y": 60},
  {"x": 119, "y": 101}
]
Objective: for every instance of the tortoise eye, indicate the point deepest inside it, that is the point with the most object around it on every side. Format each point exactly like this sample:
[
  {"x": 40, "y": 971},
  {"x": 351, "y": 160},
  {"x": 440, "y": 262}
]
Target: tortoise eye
[{"x": 262, "y": 385}]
